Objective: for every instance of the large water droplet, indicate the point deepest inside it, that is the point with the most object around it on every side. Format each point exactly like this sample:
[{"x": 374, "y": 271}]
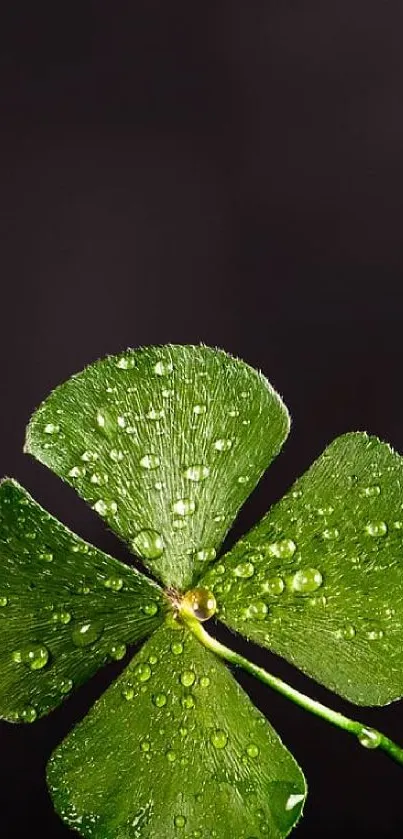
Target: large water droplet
[
  {"x": 188, "y": 702},
  {"x": 369, "y": 738},
  {"x": 28, "y": 714},
  {"x": 148, "y": 544},
  {"x": 117, "y": 651},
  {"x": 223, "y": 445},
  {"x": 163, "y": 368},
  {"x": 143, "y": 672},
  {"x": 150, "y": 609},
  {"x": 114, "y": 583},
  {"x": 257, "y": 610},
  {"x": 159, "y": 700},
  {"x": 179, "y": 821},
  {"x": 150, "y": 461},
  {"x": 274, "y": 586},
  {"x": 205, "y": 554},
  {"x": 198, "y": 472},
  {"x": 51, "y": 428},
  {"x": 376, "y": 528},
  {"x": 86, "y": 633},
  {"x": 202, "y": 603},
  {"x": 252, "y": 750},
  {"x": 35, "y": 657},
  {"x": 177, "y": 647},
  {"x": 283, "y": 549},
  {"x": 306, "y": 580},
  {"x": 244, "y": 570},
  {"x": 184, "y": 507},
  {"x": 188, "y": 678},
  {"x": 219, "y": 738}
]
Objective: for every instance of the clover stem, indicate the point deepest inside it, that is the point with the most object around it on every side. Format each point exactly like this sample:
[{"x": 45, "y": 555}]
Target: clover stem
[{"x": 368, "y": 737}]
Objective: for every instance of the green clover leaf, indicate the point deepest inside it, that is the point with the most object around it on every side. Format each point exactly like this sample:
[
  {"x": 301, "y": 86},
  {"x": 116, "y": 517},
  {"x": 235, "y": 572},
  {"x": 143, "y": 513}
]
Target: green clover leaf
[{"x": 166, "y": 443}]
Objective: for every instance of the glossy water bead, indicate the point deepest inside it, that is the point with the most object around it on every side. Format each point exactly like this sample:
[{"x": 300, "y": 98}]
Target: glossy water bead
[{"x": 202, "y": 603}]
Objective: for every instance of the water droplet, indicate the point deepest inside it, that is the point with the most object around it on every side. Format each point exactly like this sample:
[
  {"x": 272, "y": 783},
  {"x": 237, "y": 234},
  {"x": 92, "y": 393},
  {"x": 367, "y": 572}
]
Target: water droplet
[
  {"x": 274, "y": 586},
  {"x": 205, "y": 554},
  {"x": 188, "y": 678},
  {"x": 202, "y": 603},
  {"x": 150, "y": 609},
  {"x": 252, "y": 750},
  {"x": 3, "y": 600},
  {"x": 104, "y": 508},
  {"x": 65, "y": 686},
  {"x": 219, "y": 738},
  {"x": 196, "y": 473},
  {"x": 35, "y": 657},
  {"x": 188, "y": 702},
  {"x": 346, "y": 632},
  {"x": 145, "y": 746},
  {"x": 116, "y": 455},
  {"x": 63, "y": 617},
  {"x": 28, "y": 714},
  {"x": 179, "y": 524},
  {"x": 86, "y": 633},
  {"x": 77, "y": 472},
  {"x": 125, "y": 362},
  {"x": 128, "y": 692},
  {"x": 150, "y": 461},
  {"x": 153, "y": 659},
  {"x": 371, "y": 491},
  {"x": 374, "y": 632},
  {"x": 257, "y": 610},
  {"x": 199, "y": 409},
  {"x": 171, "y": 756},
  {"x": 283, "y": 549},
  {"x": 179, "y": 821},
  {"x": 148, "y": 544},
  {"x": 330, "y": 533},
  {"x": 376, "y": 528},
  {"x": 177, "y": 647},
  {"x": 163, "y": 368},
  {"x": 244, "y": 570},
  {"x": 117, "y": 651},
  {"x": 114, "y": 583},
  {"x": 184, "y": 507},
  {"x": 159, "y": 700},
  {"x": 51, "y": 428},
  {"x": 223, "y": 445},
  {"x": 243, "y": 479},
  {"x": 155, "y": 414},
  {"x": 46, "y": 556},
  {"x": 143, "y": 672},
  {"x": 121, "y": 421},
  {"x": 369, "y": 738},
  {"x": 205, "y": 681},
  {"x": 306, "y": 580}
]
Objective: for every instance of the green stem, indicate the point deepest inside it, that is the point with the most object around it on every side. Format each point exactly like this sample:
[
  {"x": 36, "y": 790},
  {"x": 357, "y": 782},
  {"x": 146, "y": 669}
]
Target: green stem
[{"x": 368, "y": 737}]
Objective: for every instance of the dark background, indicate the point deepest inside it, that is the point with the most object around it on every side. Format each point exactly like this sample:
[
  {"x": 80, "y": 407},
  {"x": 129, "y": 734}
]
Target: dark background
[{"x": 225, "y": 172}]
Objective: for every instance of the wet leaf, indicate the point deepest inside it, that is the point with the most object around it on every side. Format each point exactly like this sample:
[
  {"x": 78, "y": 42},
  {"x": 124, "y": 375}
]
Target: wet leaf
[
  {"x": 66, "y": 608},
  {"x": 319, "y": 579},
  {"x": 165, "y": 443},
  {"x": 175, "y": 748}
]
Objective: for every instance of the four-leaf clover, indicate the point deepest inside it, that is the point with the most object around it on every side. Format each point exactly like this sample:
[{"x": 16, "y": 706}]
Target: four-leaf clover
[{"x": 166, "y": 443}]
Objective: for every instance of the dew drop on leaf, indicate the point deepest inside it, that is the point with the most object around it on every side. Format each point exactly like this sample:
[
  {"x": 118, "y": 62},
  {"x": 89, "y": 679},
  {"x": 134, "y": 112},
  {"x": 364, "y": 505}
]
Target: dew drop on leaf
[
  {"x": 202, "y": 603},
  {"x": 177, "y": 647},
  {"x": 283, "y": 549},
  {"x": 150, "y": 461},
  {"x": 252, "y": 750},
  {"x": 188, "y": 678},
  {"x": 143, "y": 672},
  {"x": 3, "y": 600},
  {"x": 184, "y": 507},
  {"x": 198, "y": 472},
  {"x": 35, "y": 657},
  {"x": 163, "y": 368},
  {"x": 159, "y": 700},
  {"x": 223, "y": 445},
  {"x": 274, "y": 586},
  {"x": 117, "y": 651},
  {"x": 114, "y": 583},
  {"x": 205, "y": 554},
  {"x": 179, "y": 821},
  {"x": 306, "y": 580},
  {"x": 257, "y": 610},
  {"x": 219, "y": 738},
  {"x": 86, "y": 633},
  {"x": 28, "y": 714},
  {"x": 369, "y": 738},
  {"x": 148, "y": 544},
  {"x": 376, "y": 528},
  {"x": 244, "y": 570}
]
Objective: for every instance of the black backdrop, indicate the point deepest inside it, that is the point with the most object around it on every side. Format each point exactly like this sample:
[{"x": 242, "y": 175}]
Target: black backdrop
[{"x": 225, "y": 172}]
